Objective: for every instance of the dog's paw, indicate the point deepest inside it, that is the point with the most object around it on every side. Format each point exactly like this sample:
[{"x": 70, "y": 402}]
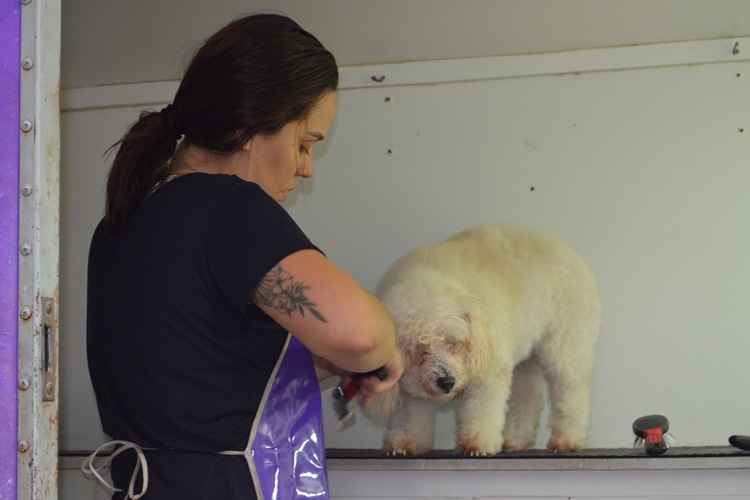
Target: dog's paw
[
  {"x": 515, "y": 446},
  {"x": 472, "y": 447},
  {"x": 563, "y": 444},
  {"x": 400, "y": 446}
]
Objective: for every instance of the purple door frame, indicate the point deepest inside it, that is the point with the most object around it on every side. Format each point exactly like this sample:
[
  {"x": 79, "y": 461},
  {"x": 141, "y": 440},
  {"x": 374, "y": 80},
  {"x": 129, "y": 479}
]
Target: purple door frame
[{"x": 10, "y": 57}]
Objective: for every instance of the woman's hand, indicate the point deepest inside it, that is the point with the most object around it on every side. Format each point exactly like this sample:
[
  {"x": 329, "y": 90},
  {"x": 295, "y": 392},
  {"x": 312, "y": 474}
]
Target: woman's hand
[{"x": 371, "y": 386}]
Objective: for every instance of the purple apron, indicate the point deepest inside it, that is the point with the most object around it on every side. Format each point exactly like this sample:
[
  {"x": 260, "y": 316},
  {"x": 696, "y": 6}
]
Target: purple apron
[{"x": 286, "y": 448}]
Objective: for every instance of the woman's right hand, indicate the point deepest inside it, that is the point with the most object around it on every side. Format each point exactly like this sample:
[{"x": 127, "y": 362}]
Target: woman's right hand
[{"x": 371, "y": 386}]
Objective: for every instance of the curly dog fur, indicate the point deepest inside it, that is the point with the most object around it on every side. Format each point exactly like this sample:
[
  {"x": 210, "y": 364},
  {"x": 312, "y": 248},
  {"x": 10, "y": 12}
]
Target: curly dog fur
[{"x": 484, "y": 319}]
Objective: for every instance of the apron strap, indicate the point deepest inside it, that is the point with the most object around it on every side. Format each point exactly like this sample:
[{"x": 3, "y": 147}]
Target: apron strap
[{"x": 90, "y": 469}]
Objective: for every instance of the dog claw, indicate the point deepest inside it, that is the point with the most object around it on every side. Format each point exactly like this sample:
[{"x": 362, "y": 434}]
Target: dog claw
[
  {"x": 473, "y": 452},
  {"x": 400, "y": 447},
  {"x": 397, "y": 452}
]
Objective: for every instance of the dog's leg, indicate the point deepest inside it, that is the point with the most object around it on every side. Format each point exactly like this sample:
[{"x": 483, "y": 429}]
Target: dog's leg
[
  {"x": 568, "y": 367},
  {"x": 410, "y": 429},
  {"x": 480, "y": 416},
  {"x": 524, "y": 407}
]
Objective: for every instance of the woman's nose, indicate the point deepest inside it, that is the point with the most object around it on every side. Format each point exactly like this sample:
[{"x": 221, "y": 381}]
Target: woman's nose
[{"x": 306, "y": 169}]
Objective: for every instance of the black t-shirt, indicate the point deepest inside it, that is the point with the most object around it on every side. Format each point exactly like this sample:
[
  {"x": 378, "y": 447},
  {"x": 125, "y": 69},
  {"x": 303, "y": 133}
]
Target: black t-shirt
[{"x": 178, "y": 355}]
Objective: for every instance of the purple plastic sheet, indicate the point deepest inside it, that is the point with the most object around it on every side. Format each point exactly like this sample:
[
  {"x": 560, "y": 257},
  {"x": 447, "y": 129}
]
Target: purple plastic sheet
[
  {"x": 288, "y": 449},
  {"x": 10, "y": 31}
]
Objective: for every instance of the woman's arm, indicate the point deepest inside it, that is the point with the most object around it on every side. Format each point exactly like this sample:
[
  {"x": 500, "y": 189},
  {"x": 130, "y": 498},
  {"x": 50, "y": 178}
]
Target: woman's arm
[{"x": 329, "y": 313}]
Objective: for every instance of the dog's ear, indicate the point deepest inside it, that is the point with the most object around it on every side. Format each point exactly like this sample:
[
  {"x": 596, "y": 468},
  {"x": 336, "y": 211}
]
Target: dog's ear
[{"x": 477, "y": 343}]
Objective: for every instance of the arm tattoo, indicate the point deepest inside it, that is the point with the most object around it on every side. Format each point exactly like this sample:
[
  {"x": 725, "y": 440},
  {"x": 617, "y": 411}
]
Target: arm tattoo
[{"x": 280, "y": 290}]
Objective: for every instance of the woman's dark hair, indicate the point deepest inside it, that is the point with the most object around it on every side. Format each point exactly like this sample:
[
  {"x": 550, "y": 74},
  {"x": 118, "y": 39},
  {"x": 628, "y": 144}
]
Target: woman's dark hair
[{"x": 254, "y": 76}]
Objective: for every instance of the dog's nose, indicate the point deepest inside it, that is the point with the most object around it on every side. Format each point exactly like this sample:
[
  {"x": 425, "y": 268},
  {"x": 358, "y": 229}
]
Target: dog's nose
[{"x": 446, "y": 383}]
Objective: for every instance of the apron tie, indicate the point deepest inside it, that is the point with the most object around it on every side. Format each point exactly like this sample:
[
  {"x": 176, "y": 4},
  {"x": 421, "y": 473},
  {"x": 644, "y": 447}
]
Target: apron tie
[{"x": 90, "y": 469}]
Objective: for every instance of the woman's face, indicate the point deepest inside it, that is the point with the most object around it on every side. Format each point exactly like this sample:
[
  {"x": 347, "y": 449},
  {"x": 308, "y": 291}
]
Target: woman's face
[{"x": 277, "y": 160}]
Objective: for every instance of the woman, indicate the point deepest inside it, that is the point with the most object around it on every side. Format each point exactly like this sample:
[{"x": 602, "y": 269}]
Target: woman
[{"x": 197, "y": 273}]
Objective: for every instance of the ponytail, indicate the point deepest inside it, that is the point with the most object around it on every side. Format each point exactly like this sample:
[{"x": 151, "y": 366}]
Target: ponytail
[{"x": 140, "y": 163}]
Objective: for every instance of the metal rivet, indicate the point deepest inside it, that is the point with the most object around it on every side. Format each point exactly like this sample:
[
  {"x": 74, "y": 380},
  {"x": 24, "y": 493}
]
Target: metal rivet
[
  {"x": 26, "y": 313},
  {"x": 390, "y": 151},
  {"x": 27, "y": 190},
  {"x": 740, "y": 130},
  {"x": 387, "y": 99},
  {"x": 25, "y": 249},
  {"x": 23, "y": 446},
  {"x": 26, "y": 126},
  {"x": 27, "y": 63},
  {"x": 23, "y": 384}
]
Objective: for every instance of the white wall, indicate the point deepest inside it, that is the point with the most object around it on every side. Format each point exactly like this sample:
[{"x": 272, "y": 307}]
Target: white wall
[
  {"x": 144, "y": 41},
  {"x": 643, "y": 171}
]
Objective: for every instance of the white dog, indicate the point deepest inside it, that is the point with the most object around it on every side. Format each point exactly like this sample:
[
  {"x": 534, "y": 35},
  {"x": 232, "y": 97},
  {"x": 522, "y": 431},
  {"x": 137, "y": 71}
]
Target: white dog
[{"x": 483, "y": 319}]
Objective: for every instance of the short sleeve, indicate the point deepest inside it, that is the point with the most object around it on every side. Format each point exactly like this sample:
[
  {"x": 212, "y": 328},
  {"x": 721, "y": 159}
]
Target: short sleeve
[{"x": 252, "y": 234}]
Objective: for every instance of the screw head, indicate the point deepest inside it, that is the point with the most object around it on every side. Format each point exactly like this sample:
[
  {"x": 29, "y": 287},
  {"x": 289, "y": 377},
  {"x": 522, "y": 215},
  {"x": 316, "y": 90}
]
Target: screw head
[
  {"x": 23, "y": 446},
  {"x": 23, "y": 384},
  {"x": 27, "y": 190},
  {"x": 26, "y": 126},
  {"x": 26, "y": 313},
  {"x": 27, "y": 63},
  {"x": 25, "y": 249}
]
